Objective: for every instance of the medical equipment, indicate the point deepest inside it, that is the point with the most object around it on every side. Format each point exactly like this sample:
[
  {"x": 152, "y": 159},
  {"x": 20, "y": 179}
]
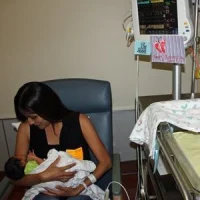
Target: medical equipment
[
  {"x": 163, "y": 17},
  {"x": 166, "y": 17},
  {"x": 183, "y": 180}
]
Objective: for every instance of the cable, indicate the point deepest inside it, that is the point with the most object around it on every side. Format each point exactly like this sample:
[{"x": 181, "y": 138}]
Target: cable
[
  {"x": 136, "y": 192},
  {"x": 136, "y": 118},
  {"x": 123, "y": 24},
  {"x": 128, "y": 27},
  {"x": 129, "y": 38},
  {"x": 107, "y": 190},
  {"x": 137, "y": 88},
  {"x": 130, "y": 15},
  {"x": 141, "y": 188}
]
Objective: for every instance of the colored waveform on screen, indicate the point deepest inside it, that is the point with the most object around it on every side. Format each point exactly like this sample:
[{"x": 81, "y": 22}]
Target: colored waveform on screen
[
  {"x": 143, "y": 1},
  {"x": 157, "y": 1},
  {"x": 149, "y": 1},
  {"x": 158, "y": 17}
]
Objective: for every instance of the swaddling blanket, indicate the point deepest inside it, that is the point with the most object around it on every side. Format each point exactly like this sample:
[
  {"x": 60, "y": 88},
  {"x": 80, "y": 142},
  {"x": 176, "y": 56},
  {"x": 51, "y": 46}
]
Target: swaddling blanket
[
  {"x": 83, "y": 168},
  {"x": 181, "y": 113}
]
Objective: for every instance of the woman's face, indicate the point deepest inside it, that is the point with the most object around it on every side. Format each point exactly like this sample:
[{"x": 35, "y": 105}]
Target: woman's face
[{"x": 34, "y": 119}]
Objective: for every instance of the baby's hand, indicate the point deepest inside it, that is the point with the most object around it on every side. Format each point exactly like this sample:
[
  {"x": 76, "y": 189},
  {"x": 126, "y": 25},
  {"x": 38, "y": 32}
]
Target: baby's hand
[{"x": 31, "y": 155}]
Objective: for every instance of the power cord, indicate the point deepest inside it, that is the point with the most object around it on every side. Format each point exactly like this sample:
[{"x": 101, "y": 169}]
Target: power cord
[
  {"x": 107, "y": 191},
  {"x": 128, "y": 28}
]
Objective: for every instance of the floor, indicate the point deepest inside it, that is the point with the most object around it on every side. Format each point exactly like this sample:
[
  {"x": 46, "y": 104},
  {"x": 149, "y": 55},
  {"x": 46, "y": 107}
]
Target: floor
[
  {"x": 129, "y": 178},
  {"x": 129, "y": 181}
]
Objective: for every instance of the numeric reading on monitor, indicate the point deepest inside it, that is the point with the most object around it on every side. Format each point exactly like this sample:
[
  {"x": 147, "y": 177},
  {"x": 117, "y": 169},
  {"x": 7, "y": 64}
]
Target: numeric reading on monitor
[{"x": 158, "y": 17}]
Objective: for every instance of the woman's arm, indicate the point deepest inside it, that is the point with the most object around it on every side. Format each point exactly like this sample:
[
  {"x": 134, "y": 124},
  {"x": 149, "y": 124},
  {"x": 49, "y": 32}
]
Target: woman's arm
[
  {"x": 22, "y": 142},
  {"x": 97, "y": 147},
  {"x": 99, "y": 150},
  {"x": 21, "y": 151},
  {"x": 52, "y": 173}
]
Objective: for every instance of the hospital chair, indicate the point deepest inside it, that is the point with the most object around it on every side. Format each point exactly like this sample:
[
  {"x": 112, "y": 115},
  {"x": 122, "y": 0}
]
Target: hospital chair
[{"x": 92, "y": 97}]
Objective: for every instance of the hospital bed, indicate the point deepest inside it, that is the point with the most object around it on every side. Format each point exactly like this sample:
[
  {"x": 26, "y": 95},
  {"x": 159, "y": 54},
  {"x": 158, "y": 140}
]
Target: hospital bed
[{"x": 182, "y": 180}]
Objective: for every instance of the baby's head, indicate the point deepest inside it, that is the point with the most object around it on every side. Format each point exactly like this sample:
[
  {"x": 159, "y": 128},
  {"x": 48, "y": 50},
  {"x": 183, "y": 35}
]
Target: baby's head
[{"x": 14, "y": 169}]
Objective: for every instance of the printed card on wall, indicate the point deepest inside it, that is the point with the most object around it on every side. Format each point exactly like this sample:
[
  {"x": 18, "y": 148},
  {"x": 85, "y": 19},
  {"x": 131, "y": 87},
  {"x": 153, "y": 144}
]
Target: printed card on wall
[{"x": 168, "y": 49}]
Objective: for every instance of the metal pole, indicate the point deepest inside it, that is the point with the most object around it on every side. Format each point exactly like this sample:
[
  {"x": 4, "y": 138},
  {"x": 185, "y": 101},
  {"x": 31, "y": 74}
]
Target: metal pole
[
  {"x": 194, "y": 64},
  {"x": 176, "y": 81}
]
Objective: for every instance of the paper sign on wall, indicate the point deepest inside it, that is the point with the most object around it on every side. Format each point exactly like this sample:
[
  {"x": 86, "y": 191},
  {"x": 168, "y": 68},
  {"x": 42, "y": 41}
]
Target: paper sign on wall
[{"x": 168, "y": 49}]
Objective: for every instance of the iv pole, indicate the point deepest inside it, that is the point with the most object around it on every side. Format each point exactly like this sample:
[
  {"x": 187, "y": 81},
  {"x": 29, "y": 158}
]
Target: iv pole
[
  {"x": 176, "y": 81},
  {"x": 177, "y": 67},
  {"x": 176, "y": 95},
  {"x": 194, "y": 64}
]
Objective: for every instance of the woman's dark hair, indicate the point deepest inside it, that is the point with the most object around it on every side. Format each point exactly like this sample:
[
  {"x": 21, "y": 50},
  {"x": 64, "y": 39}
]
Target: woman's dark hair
[
  {"x": 13, "y": 169},
  {"x": 37, "y": 97}
]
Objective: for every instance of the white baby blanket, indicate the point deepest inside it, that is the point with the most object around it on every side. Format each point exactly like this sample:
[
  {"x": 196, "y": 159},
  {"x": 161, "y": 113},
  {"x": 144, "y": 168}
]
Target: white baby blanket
[
  {"x": 83, "y": 168},
  {"x": 181, "y": 113}
]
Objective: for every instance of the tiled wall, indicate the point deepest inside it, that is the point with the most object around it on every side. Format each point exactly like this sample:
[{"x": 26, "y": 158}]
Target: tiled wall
[{"x": 123, "y": 122}]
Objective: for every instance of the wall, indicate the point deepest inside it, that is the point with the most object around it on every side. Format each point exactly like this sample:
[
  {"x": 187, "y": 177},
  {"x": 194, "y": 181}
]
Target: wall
[{"x": 49, "y": 39}]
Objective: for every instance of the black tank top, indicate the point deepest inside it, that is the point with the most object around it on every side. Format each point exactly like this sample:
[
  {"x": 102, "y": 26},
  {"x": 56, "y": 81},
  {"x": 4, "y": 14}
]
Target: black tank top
[{"x": 71, "y": 137}]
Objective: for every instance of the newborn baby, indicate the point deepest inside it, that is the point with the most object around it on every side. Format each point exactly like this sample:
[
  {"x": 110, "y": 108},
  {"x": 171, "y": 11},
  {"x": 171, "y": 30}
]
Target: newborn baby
[{"x": 82, "y": 167}]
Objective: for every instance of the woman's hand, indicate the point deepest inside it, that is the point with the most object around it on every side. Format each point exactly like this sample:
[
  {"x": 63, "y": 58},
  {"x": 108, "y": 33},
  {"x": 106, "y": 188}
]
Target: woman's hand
[
  {"x": 54, "y": 173},
  {"x": 64, "y": 191}
]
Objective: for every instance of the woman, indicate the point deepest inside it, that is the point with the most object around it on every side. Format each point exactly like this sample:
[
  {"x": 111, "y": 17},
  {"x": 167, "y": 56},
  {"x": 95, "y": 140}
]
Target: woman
[{"x": 48, "y": 124}]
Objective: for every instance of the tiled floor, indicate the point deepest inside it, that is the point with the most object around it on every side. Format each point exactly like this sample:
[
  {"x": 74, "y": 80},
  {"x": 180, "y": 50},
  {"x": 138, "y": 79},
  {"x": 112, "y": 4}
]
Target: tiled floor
[{"x": 129, "y": 181}]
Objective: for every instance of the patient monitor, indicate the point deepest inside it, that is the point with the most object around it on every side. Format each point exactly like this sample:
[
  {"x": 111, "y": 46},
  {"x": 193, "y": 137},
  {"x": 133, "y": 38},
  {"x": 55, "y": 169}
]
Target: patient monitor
[{"x": 163, "y": 17}]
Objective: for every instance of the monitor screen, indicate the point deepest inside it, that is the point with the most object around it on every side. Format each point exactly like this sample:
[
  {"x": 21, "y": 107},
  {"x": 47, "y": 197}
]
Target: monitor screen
[{"x": 158, "y": 17}]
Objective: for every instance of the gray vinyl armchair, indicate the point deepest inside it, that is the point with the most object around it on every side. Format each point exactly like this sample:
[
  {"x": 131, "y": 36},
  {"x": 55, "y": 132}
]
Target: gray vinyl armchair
[{"x": 94, "y": 98}]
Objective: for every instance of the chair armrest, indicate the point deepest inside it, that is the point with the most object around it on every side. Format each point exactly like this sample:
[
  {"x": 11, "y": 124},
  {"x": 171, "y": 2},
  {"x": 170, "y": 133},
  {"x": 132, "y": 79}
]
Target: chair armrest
[
  {"x": 5, "y": 188},
  {"x": 116, "y": 175}
]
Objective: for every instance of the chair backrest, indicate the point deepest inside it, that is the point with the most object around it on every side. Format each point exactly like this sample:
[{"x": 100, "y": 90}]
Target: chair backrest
[{"x": 92, "y": 97}]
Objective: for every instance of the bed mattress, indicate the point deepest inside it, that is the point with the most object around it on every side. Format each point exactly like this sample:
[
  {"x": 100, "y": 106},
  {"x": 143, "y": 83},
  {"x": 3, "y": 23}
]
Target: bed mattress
[{"x": 186, "y": 148}]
